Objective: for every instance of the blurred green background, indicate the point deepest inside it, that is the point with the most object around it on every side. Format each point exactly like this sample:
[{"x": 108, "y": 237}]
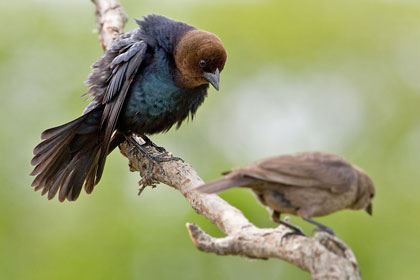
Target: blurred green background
[{"x": 339, "y": 76}]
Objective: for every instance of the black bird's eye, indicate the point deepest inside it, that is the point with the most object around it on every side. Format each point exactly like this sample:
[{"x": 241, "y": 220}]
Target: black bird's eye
[{"x": 202, "y": 63}]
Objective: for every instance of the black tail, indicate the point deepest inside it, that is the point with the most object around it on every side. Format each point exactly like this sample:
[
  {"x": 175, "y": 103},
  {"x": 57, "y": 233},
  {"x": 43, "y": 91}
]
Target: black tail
[
  {"x": 68, "y": 157},
  {"x": 228, "y": 181}
]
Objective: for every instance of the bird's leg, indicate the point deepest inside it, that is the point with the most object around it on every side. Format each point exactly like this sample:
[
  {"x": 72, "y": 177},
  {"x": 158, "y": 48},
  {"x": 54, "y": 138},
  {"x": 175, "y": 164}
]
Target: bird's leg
[
  {"x": 275, "y": 216},
  {"x": 151, "y": 143},
  {"x": 296, "y": 230},
  {"x": 153, "y": 159},
  {"x": 162, "y": 150},
  {"x": 320, "y": 227}
]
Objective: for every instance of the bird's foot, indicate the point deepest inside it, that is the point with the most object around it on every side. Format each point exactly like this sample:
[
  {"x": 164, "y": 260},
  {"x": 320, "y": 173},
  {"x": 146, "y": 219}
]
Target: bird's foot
[
  {"x": 296, "y": 230},
  {"x": 148, "y": 142},
  {"x": 153, "y": 160},
  {"x": 293, "y": 233},
  {"x": 156, "y": 160},
  {"x": 164, "y": 155}
]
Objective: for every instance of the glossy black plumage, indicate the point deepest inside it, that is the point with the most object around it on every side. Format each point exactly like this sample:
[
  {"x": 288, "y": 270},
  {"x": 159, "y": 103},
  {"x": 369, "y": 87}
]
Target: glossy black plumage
[{"x": 149, "y": 80}]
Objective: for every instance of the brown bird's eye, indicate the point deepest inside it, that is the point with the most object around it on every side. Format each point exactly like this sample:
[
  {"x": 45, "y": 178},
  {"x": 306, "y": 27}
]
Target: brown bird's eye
[{"x": 202, "y": 63}]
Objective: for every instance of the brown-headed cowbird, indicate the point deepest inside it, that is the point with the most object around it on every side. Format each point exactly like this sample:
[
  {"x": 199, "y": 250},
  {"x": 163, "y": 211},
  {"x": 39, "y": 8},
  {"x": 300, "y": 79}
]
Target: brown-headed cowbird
[
  {"x": 148, "y": 80},
  {"x": 308, "y": 184}
]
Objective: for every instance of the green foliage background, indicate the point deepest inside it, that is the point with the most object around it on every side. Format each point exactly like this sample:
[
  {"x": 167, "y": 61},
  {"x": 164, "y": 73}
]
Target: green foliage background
[{"x": 340, "y": 76}]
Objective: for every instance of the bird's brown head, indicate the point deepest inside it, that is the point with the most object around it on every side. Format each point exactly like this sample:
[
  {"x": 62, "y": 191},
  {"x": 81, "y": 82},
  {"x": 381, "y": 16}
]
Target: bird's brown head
[
  {"x": 365, "y": 192},
  {"x": 199, "y": 58}
]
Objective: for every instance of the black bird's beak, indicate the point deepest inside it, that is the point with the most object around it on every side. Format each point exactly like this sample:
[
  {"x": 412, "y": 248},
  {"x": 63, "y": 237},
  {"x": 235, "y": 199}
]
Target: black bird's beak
[
  {"x": 369, "y": 209},
  {"x": 213, "y": 79}
]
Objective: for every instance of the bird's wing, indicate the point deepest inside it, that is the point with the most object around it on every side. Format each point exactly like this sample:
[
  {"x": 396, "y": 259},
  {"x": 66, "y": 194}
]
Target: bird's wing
[
  {"x": 309, "y": 169},
  {"x": 110, "y": 81}
]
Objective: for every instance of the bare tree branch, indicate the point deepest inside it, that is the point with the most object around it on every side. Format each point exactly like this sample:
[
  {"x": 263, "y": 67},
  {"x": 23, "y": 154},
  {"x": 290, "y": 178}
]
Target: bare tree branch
[
  {"x": 110, "y": 20},
  {"x": 324, "y": 256}
]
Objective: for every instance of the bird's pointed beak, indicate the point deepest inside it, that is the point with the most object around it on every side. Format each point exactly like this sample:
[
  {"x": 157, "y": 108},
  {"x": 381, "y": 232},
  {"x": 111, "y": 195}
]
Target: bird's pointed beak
[
  {"x": 369, "y": 209},
  {"x": 213, "y": 79}
]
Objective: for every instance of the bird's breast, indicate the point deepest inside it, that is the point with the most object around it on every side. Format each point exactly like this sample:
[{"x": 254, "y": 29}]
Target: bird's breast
[{"x": 154, "y": 103}]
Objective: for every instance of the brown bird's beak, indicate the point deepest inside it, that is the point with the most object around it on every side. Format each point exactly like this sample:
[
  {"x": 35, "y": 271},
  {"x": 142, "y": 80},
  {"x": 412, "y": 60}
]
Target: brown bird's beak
[
  {"x": 369, "y": 209},
  {"x": 213, "y": 79}
]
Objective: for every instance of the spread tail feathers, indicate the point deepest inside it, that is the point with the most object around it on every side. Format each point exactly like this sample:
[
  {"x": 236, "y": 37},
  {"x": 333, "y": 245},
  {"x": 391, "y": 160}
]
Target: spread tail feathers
[
  {"x": 229, "y": 181},
  {"x": 68, "y": 157}
]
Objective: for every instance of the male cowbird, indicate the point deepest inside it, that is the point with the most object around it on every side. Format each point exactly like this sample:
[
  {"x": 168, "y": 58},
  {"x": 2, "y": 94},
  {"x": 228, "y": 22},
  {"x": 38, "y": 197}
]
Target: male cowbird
[
  {"x": 148, "y": 80},
  {"x": 307, "y": 184}
]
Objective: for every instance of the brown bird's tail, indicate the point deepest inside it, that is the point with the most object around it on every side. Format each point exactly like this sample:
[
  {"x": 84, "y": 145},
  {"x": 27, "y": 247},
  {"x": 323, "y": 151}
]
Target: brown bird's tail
[
  {"x": 68, "y": 157},
  {"x": 230, "y": 180}
]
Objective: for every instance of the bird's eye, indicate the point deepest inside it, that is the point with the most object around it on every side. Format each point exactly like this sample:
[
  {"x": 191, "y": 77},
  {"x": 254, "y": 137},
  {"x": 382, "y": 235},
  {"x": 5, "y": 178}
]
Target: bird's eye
[
  {"x": 202, "y": 63},
  {"x": 372, "y": 195}
]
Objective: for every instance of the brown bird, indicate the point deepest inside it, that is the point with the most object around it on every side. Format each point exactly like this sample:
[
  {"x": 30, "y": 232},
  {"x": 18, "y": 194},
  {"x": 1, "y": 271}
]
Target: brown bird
[{"x": 308, "y": 184}]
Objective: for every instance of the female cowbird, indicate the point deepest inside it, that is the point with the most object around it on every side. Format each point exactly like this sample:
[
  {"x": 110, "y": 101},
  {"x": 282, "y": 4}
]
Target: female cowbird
[
  {"x": 148, "y": 80},
  {"x": 307, "y": 184}
]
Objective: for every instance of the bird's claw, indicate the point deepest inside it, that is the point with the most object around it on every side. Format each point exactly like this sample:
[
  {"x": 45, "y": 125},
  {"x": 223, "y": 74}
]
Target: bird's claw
[
  {"x": 292, "y": 233},
  {"x": 157, "y": 159},
  {"x": 153, "y": 160},
  {"x": 164, "y": 156},
  {"x": 295, "y": 229}
]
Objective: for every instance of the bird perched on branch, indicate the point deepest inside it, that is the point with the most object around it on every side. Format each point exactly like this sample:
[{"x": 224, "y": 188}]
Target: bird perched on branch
[
  {"x": 308, "y": 184},
  {"x": 148, "y": 80}
]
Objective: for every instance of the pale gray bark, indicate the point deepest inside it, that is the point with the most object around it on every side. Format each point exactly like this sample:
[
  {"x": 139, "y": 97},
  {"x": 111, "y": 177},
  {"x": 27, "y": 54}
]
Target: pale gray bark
[{"x": 110, "y": 20}]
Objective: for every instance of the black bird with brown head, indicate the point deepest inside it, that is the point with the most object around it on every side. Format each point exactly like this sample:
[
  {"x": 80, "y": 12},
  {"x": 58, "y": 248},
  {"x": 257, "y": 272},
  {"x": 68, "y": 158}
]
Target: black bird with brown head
[{"x": 148, "y": 80}]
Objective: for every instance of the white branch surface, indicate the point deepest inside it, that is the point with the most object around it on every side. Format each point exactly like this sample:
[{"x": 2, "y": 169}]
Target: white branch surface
[
  {"x": 324, "y": 256},
  {"x": 110, "y": 20}
]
